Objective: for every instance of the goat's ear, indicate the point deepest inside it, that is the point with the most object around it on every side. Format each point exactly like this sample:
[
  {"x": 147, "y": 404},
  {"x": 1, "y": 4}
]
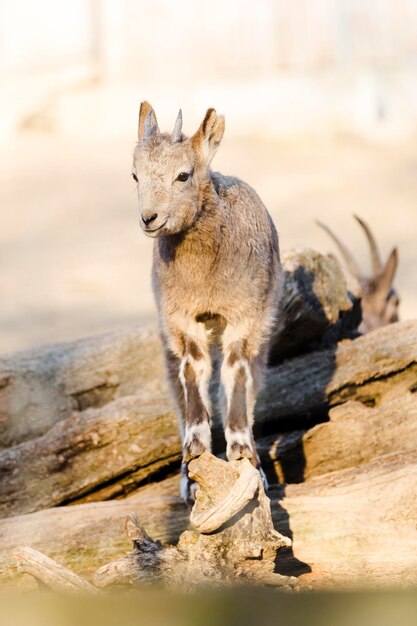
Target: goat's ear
[
  {"x": 387, "y": 273},
  {"x": 148, "y": 125},
  {"x": 208, "y": 137}
]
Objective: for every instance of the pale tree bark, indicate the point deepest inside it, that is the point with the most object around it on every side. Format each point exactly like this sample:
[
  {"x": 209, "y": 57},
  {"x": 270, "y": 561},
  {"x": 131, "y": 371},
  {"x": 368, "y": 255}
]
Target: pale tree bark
[
  {"x": 232, "y": 539},
  {"x": 108, "y": 452},
  {"x": 352, "y": 528}
]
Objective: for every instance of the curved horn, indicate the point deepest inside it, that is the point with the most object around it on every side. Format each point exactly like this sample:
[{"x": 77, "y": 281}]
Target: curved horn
[
  {"x": 387, "y": 274},
  {"x": 176, "y": 133},
  {"x": 350, "y": 261},
  {"x": 376, "y": 259}
]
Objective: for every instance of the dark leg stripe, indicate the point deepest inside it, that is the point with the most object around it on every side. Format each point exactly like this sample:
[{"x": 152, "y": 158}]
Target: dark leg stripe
[
  {"x": 237, "y": 418},
  {"x": 196, "y": 412}
]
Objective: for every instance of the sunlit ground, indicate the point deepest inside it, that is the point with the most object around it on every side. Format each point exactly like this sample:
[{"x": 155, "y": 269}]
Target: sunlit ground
[{"x": 74, "y": 261}]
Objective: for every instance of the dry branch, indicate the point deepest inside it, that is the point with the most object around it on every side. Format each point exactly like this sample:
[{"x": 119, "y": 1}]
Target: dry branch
[{"x": 49, "y": 572}]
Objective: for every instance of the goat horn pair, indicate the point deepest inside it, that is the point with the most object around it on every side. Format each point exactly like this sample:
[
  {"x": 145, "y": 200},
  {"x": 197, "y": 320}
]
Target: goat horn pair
[{"x": 350, "y": 261}]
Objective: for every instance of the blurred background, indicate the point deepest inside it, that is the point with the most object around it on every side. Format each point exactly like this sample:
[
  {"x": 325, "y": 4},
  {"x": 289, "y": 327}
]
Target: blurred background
[{"x": 320, "y": 99}]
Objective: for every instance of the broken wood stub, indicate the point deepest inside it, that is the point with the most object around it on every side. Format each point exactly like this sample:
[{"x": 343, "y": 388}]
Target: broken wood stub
[{"x": 233, "y": 537}]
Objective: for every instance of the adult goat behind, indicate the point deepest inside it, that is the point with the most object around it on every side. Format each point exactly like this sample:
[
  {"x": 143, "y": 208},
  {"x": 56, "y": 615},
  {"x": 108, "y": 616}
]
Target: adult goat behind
[
  {"x": 216, "y": 279},
  {"x": 379, "y": 299}
]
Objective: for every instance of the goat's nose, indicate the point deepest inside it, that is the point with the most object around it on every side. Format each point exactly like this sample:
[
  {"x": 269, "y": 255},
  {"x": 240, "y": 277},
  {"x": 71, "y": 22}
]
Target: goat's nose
[{"x": 148, "y": 220}]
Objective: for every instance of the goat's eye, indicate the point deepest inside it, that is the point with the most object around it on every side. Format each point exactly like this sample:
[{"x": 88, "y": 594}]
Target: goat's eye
[
  {"x": 135, "y": 178},
  {"x": 183, "y": 177}
]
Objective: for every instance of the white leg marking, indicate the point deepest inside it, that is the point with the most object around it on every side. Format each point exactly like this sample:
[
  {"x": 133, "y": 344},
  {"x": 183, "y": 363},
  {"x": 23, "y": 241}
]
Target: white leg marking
[
  {"x": 200, "y": 431},
  {"x": 197, "y": 440},
  {"x": 239, "y": 444}
]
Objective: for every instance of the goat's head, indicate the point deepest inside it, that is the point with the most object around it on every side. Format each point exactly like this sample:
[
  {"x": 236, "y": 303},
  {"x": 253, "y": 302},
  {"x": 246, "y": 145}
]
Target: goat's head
[
  {"x": 379, "y": 299},
  {"x": 170, "y": 169}
]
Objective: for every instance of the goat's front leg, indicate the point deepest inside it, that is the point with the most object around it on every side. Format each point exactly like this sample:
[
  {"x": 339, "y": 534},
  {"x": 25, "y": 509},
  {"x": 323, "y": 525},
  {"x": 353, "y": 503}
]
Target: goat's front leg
[
  {"x": 194, "y": 375},
  {"x": 189, "y": 369},
  {"x": 241, "y": 375}
]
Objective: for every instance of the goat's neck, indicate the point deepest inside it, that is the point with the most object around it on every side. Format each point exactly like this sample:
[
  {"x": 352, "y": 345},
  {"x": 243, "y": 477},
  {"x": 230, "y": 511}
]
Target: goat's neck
[{"x": 203, "y": 237}]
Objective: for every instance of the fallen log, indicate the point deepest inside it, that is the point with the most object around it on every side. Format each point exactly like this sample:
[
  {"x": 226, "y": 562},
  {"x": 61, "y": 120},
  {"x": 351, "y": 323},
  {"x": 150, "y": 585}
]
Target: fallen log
[
  {"x": 41, "y": 387},
  {"x": 365, "y": 369},
  {"x": 233, "y": 540},
  {"x": 316, "y": 308},
  {"x": 354, "y": 434},
  {"x": 352, "y": 528},
  {"x": 355, "y": 527},
  {"x": 85, "y": 536},
  {"x": 108, "y": 452}
]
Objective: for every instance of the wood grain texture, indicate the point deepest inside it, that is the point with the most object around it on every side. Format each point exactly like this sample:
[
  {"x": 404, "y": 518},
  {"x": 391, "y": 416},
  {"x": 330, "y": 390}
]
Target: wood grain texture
[{"x": 108, "y": 452}]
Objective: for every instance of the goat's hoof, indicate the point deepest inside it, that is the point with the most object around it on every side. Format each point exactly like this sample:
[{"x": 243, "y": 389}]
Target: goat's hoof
[
  {"x": 236, "y": 450},
  {"x": 197, "y": 440},
  {"x": 193, "y": 449}
]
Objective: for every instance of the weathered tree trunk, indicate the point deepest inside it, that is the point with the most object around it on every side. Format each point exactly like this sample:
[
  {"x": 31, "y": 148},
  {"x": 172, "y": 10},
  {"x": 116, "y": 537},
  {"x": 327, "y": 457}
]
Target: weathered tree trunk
[
  {"x": 315, "y": 309},
  {"x": 41, "y": 387},
  {"x": 108, "y": 452},
  {"x": 355, "y": 434},
  {"x": 352, "y": 528},
  {"x": 234, "y": 538},
  {"x": 364, "y": 369}
]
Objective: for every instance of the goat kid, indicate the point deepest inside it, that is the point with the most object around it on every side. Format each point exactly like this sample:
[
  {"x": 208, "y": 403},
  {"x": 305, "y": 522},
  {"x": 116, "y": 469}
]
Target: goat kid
[{"x": 216, "y": 279}]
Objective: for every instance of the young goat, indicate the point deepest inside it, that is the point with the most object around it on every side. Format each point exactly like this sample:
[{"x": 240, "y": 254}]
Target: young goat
[
  {"x": 216, "y": 278},
  {"x": 379, "y": 300}
]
